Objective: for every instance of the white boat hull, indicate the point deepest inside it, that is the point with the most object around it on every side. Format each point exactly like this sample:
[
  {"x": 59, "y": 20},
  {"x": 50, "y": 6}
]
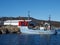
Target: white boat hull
[{"x": 30, "y": 31}]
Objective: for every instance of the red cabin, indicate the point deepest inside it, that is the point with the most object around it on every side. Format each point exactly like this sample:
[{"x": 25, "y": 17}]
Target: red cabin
[{"x": 23, "y": 23}]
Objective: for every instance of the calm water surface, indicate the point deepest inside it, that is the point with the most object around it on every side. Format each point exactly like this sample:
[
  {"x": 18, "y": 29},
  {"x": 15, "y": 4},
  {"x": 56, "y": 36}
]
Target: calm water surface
[{"x": 25, "y": 39}]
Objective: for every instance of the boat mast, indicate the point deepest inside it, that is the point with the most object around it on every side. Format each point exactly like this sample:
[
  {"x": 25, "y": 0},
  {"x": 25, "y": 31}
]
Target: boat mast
[
  {"x": 28, "y": 15},
  {"x": 50, "y": 21}
]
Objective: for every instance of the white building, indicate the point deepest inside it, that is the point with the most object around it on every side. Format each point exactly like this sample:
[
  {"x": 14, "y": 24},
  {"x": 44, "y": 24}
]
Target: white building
[{"x": 13, "y": 22}]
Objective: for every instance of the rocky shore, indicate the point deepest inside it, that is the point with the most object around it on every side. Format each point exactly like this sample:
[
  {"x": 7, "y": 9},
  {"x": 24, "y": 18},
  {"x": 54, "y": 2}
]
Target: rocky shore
[{"x": 9, "y": 29}]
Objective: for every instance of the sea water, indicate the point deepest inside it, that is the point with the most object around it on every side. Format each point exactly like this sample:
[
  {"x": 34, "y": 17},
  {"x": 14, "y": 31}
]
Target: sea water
[{"x": 29, "y": 39}]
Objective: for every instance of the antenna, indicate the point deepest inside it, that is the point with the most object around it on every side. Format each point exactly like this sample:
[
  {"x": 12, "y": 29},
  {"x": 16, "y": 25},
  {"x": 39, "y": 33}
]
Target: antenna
[{"x": 28, "y": 15}]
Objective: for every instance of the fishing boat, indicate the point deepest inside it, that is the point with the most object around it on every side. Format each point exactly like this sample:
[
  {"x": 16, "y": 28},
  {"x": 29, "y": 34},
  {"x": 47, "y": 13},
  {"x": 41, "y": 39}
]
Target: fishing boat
[{"x": 26, "y": 27}]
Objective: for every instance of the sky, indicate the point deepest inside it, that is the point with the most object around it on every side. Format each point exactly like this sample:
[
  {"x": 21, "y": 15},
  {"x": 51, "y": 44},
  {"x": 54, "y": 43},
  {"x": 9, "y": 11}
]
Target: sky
[{"x": 39, "y": 9}]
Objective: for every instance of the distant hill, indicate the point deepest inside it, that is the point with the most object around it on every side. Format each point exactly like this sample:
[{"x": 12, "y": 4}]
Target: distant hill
[{"x": 39, "y": 22}]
